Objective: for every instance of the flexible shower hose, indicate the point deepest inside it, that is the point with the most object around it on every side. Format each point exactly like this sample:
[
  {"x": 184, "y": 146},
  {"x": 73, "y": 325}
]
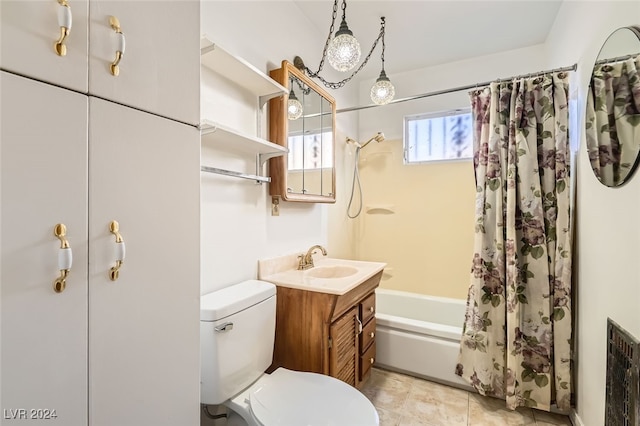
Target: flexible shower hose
[{"x": 356, "y": 177}]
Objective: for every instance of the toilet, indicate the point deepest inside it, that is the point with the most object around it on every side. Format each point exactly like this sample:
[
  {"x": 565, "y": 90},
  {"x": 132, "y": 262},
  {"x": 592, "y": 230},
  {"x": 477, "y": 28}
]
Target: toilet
[{"x": 237, "y": 332}]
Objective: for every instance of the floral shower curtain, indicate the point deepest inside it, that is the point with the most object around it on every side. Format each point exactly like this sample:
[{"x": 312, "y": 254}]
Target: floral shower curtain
[
  {"x": 613, "y": 119},
  {"x": 516, "y": 341}
]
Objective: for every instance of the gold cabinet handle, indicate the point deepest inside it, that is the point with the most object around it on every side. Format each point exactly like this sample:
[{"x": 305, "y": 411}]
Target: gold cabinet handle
[
  {"x": 65, "y": 258},
  {"x": 372, "y": 335},
  {"x": 64, "y": 21},
  {"x": 115, "y": 25},
  {"x": 371, "y": 360},
  {"x": 371, "y": 309},
  {"x": 114, "y": 272}
]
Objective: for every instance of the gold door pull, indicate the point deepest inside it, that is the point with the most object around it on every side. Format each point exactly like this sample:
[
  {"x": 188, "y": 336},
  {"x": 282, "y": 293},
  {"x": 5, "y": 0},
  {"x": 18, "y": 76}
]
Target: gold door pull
[
  {"x": 65, "y": 258},
  {"x": 114, "y": 272},
  {"x": 64, "y": 21},
  {"x": 115, "y": 25}
]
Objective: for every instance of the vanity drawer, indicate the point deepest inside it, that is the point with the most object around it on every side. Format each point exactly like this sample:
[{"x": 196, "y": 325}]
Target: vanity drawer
[
  {"x": 368, "y": 335},
  {"x": 366, "y": 360},
  {"x": 368, "y": 308}
]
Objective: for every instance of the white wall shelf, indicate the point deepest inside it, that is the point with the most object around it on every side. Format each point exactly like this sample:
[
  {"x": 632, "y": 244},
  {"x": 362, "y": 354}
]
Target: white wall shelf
[
  {"x": 230, "y": 139},
  {"x": 223, "y": 136},
  {"x": 239, "y": 71}
]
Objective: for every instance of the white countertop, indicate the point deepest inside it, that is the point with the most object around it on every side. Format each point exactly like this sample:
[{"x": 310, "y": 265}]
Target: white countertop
[{"x": 359, "y": 271}]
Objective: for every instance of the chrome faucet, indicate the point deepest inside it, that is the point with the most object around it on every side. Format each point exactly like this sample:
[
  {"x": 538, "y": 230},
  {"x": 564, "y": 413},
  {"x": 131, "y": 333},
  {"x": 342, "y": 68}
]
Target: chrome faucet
[{"x": 306, "y": 260}]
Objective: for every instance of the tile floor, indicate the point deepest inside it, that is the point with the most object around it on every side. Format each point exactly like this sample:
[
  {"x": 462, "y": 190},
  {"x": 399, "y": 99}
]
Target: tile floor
[{"x": 408, "y": 401}]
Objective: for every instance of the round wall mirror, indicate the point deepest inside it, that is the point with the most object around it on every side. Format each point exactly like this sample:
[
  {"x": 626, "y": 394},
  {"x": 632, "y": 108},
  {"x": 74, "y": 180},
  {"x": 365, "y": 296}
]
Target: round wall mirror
[{"x": 612, "y": 122}]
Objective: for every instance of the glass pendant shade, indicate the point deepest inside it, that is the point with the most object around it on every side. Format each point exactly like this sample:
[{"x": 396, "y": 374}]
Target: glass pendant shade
[
  {"x": 382, "y": 92},
  {"x": 294, "y": 107},
  {"x": 344, "y": 50}
]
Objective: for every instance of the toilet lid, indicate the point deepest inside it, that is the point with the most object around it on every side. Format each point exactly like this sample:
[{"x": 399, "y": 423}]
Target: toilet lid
[{"x": 293, "y": 398}]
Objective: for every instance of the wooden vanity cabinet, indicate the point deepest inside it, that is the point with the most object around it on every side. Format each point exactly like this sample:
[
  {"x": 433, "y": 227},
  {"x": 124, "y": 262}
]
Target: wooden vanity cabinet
[{"x": 325, "y": 333}]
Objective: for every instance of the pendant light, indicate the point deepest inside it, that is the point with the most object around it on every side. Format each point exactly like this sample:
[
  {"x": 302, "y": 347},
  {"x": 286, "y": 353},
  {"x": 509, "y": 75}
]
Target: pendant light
[
  {"x": 382, "y": 92},
  {"x": 344, "y": 50},
  {"x": 294, "y": 107}
]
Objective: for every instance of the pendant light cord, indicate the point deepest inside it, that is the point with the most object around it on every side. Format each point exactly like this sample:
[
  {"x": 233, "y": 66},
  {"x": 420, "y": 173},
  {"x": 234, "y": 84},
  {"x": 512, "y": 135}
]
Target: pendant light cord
[
  {"x": 326, "y": 44},
  {"x": 382, "y": 31},
  {"x": 356, "y": 177}
]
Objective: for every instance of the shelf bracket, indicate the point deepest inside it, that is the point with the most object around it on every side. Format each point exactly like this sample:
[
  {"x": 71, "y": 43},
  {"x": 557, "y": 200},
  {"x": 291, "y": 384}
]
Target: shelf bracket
[
  {"x": 263, "y": 99},
  {"x": 262, "y": 158},
  {"x": 207, "y": 49},
  {"x": 207, "y": 130}
]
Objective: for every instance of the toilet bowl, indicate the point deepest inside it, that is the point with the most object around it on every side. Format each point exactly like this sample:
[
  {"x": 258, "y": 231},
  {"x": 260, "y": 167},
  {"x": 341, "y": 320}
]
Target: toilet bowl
[
  {"x": 237, "y": 329},
  {"x": 294, "y": 398}
]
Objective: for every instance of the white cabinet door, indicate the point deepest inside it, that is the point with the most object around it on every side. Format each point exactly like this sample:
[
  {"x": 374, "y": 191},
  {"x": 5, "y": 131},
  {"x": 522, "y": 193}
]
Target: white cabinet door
[
  {"x": 143, "y": 327},
  {"x": 28, "y": 32},
  {"x": 160, "y": 69},
  {"x": 43, "y": 182}
]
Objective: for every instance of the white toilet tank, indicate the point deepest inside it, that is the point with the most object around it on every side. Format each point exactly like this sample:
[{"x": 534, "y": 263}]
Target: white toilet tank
[{"x": 237, "y": 331}]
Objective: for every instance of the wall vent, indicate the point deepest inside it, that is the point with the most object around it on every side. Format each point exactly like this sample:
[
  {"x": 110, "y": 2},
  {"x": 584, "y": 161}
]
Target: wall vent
[{"x": 623, "y": 383}]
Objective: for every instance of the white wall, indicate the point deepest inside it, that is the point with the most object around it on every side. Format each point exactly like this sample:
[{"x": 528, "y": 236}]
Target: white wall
[
  {"x": 237, "y": 228},
  {"x": 607, "y": 247}
]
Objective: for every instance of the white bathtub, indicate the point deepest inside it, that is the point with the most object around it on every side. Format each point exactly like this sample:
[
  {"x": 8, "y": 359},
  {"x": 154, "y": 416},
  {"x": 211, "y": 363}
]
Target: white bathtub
[{"x": 419, "y": 335}]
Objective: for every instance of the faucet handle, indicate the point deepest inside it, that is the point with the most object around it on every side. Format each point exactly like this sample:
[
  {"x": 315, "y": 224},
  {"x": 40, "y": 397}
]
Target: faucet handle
[{"x": 301, "y": 262}]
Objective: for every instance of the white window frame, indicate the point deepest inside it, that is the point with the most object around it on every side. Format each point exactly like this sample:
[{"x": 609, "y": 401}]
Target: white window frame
[{"x": 424, "y": 116}]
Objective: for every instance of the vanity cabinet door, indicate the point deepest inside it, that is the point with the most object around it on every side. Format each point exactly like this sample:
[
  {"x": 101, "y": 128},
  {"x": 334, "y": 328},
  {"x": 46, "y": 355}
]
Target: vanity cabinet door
[
  {"x": 28, "y": 32},
  {"x": 343, "y": 356},
  {"x": 160, "y": 69}
]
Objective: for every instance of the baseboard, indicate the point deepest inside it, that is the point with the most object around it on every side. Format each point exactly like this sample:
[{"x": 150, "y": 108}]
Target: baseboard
[{"x": 575, "y": 419}]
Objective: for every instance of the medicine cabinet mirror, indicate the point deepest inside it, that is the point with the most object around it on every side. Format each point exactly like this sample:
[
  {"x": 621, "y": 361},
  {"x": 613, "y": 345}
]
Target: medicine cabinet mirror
[
  {"x": 304, "y": 122},
  {"x": 612, "y": 123}
]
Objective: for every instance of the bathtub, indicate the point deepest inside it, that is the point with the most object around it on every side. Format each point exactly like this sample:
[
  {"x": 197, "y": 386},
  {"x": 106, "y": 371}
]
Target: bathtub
[{"x": 419, "y": 335}]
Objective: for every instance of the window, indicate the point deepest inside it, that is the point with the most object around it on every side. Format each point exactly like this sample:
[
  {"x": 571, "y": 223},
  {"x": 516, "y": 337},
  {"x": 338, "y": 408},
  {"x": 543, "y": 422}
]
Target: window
[
  {"x": 439, "y": 136},
  {"x": 310, "y": 151}
]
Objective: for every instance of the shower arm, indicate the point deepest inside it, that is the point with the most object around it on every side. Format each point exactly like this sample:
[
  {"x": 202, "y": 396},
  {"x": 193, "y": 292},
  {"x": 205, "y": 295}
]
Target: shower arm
[{"x": 379, "y": 137}]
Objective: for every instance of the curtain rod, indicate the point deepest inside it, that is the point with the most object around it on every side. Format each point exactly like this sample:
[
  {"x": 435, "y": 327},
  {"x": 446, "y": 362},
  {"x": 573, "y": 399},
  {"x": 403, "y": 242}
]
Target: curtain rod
[
  {"x": 617, "y": 59},
  {"x": 458, "y": 89}
]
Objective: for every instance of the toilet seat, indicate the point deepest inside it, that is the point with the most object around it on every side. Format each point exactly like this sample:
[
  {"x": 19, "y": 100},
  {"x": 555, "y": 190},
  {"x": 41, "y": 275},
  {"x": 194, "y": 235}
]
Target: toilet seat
[{"x": 293, "y": 398}]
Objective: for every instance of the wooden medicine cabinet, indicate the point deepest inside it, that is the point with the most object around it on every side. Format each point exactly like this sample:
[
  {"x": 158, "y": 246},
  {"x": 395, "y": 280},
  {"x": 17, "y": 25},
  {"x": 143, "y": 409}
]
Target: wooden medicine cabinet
[{"x": 307, "y": 129}]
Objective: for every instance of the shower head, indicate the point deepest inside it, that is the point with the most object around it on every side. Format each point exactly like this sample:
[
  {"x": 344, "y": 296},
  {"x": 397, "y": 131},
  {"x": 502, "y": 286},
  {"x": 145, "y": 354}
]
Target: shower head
[{"x": 379, "y": 137}]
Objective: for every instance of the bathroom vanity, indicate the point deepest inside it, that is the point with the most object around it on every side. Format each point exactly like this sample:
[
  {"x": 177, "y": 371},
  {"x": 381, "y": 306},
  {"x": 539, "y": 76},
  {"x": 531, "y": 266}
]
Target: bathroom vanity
[{"x": 325, "y": 318}]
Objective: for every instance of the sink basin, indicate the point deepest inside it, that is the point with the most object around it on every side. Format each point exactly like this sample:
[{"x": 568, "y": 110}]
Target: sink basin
[
  {"x": 331, "y": 271},
  {"x": 334, "y": 276}
]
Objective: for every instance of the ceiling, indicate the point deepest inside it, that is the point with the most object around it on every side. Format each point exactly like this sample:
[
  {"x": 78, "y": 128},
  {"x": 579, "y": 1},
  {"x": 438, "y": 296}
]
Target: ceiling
[{"x": 423, "y": 33}]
